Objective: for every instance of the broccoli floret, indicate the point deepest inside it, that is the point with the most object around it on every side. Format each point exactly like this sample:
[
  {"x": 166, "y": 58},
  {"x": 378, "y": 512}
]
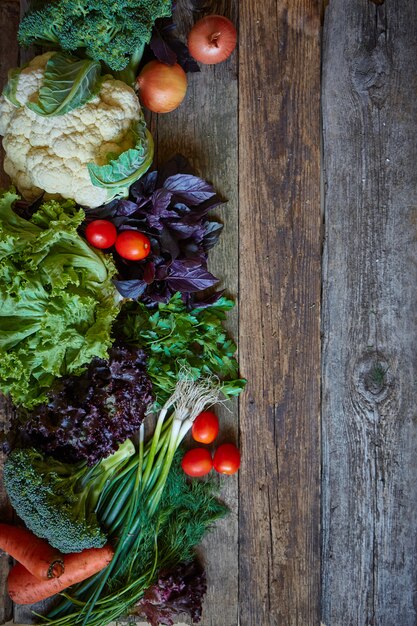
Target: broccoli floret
[
  {"x": 57, "y": 500},
  {"x": 112, "y": 31}
]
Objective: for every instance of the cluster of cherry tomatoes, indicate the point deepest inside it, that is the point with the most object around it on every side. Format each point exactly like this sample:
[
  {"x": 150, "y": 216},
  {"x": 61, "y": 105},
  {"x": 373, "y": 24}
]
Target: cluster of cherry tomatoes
[
  {"x": 130, "y": 244},
  {"x": 199, "y": 461}
]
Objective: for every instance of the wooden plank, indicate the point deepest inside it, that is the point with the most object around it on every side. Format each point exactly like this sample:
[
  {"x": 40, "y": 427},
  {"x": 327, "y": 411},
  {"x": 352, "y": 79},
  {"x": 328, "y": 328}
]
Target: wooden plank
[
  {"x": 370, "y": 289},
  {"x": 9, "y": 55},
  {"x": 279, "y": 274},
  {"x": 204, "y": 129}
]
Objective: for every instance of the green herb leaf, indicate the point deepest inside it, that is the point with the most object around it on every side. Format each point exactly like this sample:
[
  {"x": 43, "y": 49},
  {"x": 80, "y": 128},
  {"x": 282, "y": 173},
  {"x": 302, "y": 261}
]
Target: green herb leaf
[
  {"x": 174, "y": 338},
  {"x": 124, "y": 170},
  {"x": 68, "y": 84}
]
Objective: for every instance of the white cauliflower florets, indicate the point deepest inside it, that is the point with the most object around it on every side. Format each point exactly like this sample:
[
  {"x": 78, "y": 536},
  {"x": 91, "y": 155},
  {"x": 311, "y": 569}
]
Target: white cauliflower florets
[{"x": 51, "y": 153}]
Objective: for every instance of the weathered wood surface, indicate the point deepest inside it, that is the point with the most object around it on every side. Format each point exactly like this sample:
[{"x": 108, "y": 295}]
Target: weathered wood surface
[
  {"x": 369, "y": 321},
  {"x": 279, "y": 272}
]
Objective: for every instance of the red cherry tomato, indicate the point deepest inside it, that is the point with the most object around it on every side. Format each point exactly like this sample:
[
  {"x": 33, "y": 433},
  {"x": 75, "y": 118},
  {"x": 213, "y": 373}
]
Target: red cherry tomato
[
  {"x": 101, "y": 234},
  {"x": 197, "y": 462},
  {"x": 226, "y": 459},
  {"x": 132, "y": 245},
  {"x": 206, "y": 427}
]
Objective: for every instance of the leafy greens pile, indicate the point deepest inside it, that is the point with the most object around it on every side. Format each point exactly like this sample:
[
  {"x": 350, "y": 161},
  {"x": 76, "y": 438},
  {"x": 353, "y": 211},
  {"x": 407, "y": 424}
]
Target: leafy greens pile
[
  {"x": 174, "y": 338},
  {"x": 161, "y": 541},
  {"x": 170, "y": 207},
  {"x": 58, "y": 301},
  {"x": 87, "y": 417}
]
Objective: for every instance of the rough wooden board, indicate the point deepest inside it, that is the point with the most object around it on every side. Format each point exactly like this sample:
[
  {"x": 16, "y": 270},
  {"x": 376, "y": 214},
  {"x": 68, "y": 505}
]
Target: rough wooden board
[
  {"x": 280, "y": 223},
  {"x": 204, "y": 129},
  {"x": 369, "y": 321}
]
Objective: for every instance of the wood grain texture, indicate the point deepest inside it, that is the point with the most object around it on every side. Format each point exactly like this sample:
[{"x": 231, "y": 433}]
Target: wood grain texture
[
  {"x": 280, "y": 246},
  {"x": 369, "y": 322},
  {"x": 204, "y": 129}
]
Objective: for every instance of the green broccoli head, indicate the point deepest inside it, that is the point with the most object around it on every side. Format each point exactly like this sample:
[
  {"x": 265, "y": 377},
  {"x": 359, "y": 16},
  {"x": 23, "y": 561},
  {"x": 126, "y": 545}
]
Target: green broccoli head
[
  {"x": 111, "y": 31},
  {"x": 57, "y": 500}
]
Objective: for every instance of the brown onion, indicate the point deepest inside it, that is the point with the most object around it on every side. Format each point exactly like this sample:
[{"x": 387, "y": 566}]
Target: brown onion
[
  {"x": 162, "y": 87},
  {"x": 212, "y": 39}
]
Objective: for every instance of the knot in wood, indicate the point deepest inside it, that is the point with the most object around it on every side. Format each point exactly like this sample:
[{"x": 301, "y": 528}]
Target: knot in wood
[
  {"x": 371, "y": 74},
  {"x": 373, "y": 377}
]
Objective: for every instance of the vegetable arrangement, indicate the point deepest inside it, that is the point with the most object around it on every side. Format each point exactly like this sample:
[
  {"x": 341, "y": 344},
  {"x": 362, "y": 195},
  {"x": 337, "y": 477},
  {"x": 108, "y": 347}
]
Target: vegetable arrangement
[{"x": 108, "y": 316}]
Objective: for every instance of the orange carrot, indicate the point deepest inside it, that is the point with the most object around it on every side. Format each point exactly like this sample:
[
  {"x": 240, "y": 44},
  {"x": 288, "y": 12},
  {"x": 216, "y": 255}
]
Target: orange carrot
[
  {"x": 24, "y": 588},
  {"x": 35, "y": 554}
]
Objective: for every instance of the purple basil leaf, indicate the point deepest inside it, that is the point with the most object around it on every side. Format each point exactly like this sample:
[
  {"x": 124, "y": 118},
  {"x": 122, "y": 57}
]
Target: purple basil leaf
[
  {"x": 181, "y": 230},
  {"x": 161, "y": 48},
  {"x": 189, "y": 276},
  {"x": 169, "y": 243},
  {"x": 144, "y": 186},
  {"x": 184, "y": 58},
  {"x": 211, "y": 235},
  {"x": 161, "y": 199},
  {"x": 154, "y": 222},
  {"x": 149, "y": 273},
  {"x": 190, "y": 189},
  {"x": 176, "y": 165},
  {"x": 126, "y": 207},
  {"x": 161, "y": 272},
  {"x": 130, "y": 288},
  {"x": 181, "y": 208},
  {"x": 199, "y": 212},
  {"x": 104, "y": 212}
]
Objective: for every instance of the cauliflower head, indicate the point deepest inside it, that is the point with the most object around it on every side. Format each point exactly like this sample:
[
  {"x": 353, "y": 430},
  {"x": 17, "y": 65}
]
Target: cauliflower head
[{"x": 54, "y": 154}]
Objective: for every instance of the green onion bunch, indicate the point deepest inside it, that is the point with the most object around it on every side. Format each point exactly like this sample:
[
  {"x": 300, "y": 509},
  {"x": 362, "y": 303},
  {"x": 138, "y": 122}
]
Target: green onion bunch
[{"x": 152, "y": 514}]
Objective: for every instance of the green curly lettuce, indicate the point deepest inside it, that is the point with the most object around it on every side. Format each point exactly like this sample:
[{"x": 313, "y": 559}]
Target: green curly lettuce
[{"x": 58, "y": 301}]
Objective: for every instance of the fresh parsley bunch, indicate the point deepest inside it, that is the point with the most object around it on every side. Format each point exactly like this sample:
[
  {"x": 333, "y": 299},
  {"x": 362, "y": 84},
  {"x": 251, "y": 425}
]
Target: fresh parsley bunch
[{"x": 174, "y": 338}]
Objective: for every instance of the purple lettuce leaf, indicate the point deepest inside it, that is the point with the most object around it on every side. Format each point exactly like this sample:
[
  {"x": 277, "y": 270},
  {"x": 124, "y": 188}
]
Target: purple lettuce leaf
[
  {"x": 180, "y": 591},
  {"x": 87, "y": 417}
]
